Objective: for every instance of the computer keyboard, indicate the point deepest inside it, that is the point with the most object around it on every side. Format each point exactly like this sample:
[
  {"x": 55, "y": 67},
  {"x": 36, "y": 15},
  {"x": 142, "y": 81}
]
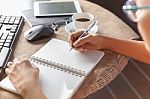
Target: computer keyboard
[{"x": 9, "y": 29}]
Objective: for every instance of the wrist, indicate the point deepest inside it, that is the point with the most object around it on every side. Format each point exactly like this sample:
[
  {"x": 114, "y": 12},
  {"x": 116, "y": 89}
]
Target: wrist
[
  {"x": 33, "y": 93},
  {"x": 105, "y": 42}
]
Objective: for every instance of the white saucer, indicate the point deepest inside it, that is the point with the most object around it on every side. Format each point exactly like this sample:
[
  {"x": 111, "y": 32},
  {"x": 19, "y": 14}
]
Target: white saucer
[{"x": 69, "y": 28}]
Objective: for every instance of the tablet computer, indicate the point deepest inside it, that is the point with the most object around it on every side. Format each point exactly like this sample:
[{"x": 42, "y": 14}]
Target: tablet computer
[{"x": 56, "y": 8}]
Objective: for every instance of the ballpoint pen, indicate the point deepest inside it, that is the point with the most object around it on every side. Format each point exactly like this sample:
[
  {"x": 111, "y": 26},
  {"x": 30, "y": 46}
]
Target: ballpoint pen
[{"x": 94, "y": 22}]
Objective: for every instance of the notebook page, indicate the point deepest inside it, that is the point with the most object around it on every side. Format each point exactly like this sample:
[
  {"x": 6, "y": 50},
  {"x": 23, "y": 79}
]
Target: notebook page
[
  {"x": 58, "y": 51},
  {"x": 7, "y": 85},
  {"x": 58, "y": 84}
]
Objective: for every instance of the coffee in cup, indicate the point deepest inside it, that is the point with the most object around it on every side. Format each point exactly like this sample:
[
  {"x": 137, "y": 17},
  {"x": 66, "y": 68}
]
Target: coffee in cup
[{"x": 82, "y": 20}]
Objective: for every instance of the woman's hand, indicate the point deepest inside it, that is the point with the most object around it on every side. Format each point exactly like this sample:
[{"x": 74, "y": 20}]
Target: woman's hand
[
  {"x": 25, "y": 78},
  {"x": 87, "y": 42}
]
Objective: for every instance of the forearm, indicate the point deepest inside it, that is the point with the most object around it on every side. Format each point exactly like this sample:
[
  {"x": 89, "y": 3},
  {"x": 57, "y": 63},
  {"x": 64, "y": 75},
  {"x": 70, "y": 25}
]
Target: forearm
[{"x": 131, "y": 48}]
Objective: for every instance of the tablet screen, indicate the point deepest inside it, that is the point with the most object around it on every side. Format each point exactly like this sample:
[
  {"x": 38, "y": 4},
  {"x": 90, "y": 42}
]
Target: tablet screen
[{"x": 54, "y": 8}]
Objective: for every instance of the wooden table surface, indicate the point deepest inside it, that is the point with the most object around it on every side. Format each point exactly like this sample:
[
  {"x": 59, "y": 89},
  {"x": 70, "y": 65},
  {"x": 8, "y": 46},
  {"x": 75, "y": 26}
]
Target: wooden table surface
[{"x": 105, "y": 71}]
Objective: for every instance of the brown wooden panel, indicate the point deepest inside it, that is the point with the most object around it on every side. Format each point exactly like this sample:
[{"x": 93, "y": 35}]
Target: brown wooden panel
[
  {"x": 138, "y": 80},
  {"x": 121, "y": 89},
  {"x": 101, "y": 94}
]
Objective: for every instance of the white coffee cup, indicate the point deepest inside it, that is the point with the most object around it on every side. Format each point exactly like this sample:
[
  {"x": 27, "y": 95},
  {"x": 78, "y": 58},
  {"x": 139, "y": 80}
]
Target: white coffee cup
[{"x": 82, "y": 20}]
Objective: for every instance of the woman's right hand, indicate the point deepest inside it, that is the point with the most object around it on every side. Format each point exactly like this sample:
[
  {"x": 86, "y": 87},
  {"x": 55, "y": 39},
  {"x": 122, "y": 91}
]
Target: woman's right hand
[{"x": 87, "y": 42}]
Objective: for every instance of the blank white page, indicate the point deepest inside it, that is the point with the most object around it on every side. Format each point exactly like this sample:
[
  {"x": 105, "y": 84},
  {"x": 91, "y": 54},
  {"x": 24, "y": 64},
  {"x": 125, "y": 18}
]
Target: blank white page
[{"x": 58, "y": 84}]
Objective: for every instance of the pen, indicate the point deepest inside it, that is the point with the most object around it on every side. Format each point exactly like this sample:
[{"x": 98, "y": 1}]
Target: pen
[{"x": 94, "y": 22}]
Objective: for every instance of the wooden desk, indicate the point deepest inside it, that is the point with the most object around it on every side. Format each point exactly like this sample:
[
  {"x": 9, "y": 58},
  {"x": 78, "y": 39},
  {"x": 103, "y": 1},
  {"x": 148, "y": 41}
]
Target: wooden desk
[{"x": 106, "y": 70}]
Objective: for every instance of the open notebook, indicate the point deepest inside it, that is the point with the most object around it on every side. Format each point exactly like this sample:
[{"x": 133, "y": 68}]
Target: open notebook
[{"x": 61, "y": 71}]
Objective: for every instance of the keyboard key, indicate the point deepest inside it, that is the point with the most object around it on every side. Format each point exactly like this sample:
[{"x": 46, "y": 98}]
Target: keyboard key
[
  {"x": 17, "y": 22},
  {"x": 8, "y": 41},
  {"x": 14, "y": 27},
  {"x": 13, "y": 30},
  {"x": 2, "y": 41},
  {"x": 6, "y": 21},
  {"x": 11, "y": 34},
  {"x": 3, "y": 56},
  {"x": 6, "y": 44},
  {"x": 9, "y": 37},
  {"x": 8, "y": 27},
  {"x": 11, "y": 22},
  {"x": 4, "y": 36}
]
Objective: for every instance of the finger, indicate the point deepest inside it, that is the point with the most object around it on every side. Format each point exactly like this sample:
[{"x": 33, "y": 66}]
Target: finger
[
  {"x": 83, "y": 47},
  {"x": 7, "y": 71},
  {"x": 86, "y": 47},
  {"x": 82, "y": 41},
  {"x": 9, "y": 64},
  {"x": 74, "y": 36}
]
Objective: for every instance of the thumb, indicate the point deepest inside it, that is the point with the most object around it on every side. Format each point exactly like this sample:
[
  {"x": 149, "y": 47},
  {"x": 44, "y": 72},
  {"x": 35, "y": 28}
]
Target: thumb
[{"x": 83, "y": 40}]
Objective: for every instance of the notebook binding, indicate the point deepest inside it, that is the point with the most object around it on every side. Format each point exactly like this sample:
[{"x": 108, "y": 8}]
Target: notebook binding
[{"x": 58, "y": 66}]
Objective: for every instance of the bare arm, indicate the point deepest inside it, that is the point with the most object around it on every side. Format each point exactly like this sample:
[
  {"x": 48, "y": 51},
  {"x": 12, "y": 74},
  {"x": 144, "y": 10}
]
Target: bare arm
[{"x": 131, "y": 48}]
